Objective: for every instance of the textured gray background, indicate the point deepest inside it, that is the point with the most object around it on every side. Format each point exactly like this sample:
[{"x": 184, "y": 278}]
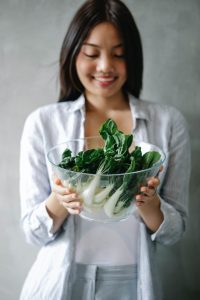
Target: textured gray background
[{"x": 31, "y": 34}]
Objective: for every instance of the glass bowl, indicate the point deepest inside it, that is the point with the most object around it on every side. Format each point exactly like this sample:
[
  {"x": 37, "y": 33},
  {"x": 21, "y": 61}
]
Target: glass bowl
[{"x": 103, "y": 197}]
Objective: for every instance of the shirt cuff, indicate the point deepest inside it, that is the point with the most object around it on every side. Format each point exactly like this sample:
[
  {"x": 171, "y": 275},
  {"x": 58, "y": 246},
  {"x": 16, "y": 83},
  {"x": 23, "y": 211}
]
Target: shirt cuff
[
  {"x": 169, "y": 213},
  {"x": 42, "y": 222}
]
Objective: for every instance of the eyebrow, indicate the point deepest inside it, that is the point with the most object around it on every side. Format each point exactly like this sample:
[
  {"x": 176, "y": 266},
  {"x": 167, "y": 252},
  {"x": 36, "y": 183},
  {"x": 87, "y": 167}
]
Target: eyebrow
[{"x": 97, "y": 46}]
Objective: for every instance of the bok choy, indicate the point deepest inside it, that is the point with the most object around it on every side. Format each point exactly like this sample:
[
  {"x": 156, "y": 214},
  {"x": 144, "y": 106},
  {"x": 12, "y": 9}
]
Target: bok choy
[{"x": 118, "y": 170}]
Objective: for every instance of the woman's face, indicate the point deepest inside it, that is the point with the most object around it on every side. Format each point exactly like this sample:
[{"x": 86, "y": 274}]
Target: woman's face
[{"x": 100, "y": 63}]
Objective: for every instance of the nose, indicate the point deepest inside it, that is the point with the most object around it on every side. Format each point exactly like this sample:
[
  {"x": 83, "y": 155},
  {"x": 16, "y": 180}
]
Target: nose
[{"x": 105, "y": 64}]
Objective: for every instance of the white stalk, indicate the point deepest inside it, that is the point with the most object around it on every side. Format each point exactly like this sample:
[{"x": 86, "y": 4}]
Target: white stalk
[
  {"x": 88, "y": 194},
  {"x": 118, "y": 207},
  {"x": 101, "y": 196},
  {"x": 111, "y": 202}
]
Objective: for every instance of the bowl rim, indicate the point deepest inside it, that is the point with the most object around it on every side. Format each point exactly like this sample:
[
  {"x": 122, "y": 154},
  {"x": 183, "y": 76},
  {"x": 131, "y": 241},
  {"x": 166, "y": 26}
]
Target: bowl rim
[{"x": 159, "y": 163}]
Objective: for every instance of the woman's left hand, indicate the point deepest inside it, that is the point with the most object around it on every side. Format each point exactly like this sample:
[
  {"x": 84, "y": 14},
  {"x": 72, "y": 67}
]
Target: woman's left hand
[
  {"x": 148, "y": 204},
  {"x": 148, "y": 195}
]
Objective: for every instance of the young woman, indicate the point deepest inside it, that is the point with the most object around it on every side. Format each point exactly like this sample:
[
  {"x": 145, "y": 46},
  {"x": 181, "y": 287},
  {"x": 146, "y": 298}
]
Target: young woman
[{"x": 101, "y": 68}]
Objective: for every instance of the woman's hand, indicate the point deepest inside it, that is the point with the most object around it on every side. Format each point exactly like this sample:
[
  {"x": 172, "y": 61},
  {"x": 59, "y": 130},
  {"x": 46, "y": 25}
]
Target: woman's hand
[
  {"x": 67, "y": 197},
  {"x": 148, "y": 204},
  {"x": 148, "y": 197}
]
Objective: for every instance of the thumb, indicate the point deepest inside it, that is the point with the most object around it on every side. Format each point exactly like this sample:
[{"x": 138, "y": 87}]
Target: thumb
[{"x": 55, "y": 179}]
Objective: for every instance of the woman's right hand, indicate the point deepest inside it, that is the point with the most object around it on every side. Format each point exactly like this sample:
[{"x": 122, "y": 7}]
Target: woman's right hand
[{"x": 67, "y": 197}]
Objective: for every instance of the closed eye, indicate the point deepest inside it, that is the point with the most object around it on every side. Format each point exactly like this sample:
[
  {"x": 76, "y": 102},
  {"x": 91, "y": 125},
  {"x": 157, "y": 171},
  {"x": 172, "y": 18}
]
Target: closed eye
[
  {"x": 91, "y": 55},
  {"x": 119, "y": 55}
]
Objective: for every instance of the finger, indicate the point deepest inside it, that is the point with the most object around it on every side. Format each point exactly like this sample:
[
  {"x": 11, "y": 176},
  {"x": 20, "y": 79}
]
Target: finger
[
  {"x": 153, "y": 182},
  {"x": 148, "y": 191},
  {"x": 67, "y": 197},
  {"x": 59, "y": 188},
  {"x": 161, "y": 169},
  {"x": 72, "y": 204},
  {"x": 74, "y": 211},
  {"x": 68, "y": 185},
  {"x": 57, "y": 181},
  {"x": 139, "y": 203},
  {"x": 54, "y": 177},
  {"x": 140, "y": 198},
  {"x": 144, "y": 190}
]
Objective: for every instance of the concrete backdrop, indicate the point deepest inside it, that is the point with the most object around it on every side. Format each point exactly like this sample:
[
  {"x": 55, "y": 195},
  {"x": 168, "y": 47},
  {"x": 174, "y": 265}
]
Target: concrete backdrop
[{"x": 31, "y": 34}]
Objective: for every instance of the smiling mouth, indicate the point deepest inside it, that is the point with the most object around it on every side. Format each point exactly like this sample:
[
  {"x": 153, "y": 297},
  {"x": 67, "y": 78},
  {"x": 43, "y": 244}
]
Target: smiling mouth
[{"x": 104, "y": 81}]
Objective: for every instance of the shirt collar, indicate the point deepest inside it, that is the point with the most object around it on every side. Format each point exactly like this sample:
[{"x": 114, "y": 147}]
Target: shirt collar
[
  {"x": 138, "y": 109},
  {"x": 77, "y": 104}
]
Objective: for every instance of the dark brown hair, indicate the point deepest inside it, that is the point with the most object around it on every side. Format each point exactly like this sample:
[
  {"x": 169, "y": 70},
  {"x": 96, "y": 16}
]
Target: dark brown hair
[{"x": 90, "y": 14}]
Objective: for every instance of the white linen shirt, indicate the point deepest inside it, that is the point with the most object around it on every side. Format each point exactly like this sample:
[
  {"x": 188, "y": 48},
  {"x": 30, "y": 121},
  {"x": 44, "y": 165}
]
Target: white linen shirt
[{"x": 158, "y": 124}]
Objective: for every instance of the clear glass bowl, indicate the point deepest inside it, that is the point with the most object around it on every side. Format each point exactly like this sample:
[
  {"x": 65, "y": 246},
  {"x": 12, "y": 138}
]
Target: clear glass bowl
[{"x": 102, "y": 210}]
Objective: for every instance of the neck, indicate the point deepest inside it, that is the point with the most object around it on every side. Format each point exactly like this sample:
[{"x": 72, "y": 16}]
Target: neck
[{"x": 101, "y": 104}]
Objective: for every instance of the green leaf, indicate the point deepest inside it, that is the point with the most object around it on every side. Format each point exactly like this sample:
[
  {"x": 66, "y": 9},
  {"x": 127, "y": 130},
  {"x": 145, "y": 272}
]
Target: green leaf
[
  {"x": 136, "y": 154},
  {"x": 109, "y": 127},
  {"x": 109, "y": 147},
  {"x": 89, "y": 160},
  {"x": 67, "y": 153},
  {"x": 150, "y": 158},
  {"x": 67, "y": 162}
]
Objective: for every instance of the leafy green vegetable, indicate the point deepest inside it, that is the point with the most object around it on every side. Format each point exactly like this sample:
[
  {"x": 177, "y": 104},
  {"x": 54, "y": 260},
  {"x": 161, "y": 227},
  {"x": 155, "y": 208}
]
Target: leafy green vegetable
[
  {"x": 117, "y": 145},
  {"x": 150, "y": 158},
  {"x": 68, "y": 161},
  {"x": 114, "y": 158},
  {"x": 88, "y": 161}
]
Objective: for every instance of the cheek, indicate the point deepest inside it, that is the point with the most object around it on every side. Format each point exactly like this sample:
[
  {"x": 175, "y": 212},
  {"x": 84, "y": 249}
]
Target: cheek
[
  {"x": 83, "y": 67},
  {"x": 123, "y": 71},
  {"x": 121, "y": 68},
  {"x": 84, "y": 71}
]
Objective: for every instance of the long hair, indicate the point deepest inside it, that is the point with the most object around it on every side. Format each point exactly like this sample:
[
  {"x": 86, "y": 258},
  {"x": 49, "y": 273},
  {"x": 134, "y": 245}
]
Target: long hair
[{"x": 90, "y": 14}]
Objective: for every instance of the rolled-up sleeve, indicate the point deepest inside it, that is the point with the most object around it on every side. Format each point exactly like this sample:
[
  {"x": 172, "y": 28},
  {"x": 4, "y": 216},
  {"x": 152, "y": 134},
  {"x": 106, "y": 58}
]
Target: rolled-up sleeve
[
  {"x": 174, "y": 192},
  {"x": 34, "y": 183}
]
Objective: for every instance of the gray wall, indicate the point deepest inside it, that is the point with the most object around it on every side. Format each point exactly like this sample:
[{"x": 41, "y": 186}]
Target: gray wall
[{"x": 31, "y": 34}]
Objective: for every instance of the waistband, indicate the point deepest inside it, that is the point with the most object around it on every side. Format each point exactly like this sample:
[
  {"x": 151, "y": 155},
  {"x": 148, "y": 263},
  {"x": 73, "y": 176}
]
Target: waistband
[{"x": 122, "y": 272}]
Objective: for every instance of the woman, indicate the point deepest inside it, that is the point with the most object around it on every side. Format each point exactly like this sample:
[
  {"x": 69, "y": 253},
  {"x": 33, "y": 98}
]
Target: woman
[{"x": 101, "y": 68}]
